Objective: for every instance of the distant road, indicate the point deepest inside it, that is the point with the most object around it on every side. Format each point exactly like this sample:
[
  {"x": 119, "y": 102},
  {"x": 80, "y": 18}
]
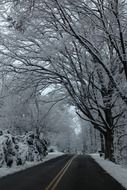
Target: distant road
[{"x": 66, "y": 172}]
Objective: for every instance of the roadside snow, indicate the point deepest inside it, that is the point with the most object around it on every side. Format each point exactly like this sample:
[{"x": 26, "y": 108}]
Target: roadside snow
[
  {"x": 52, "y": 155},
  {"x": 116, "y": 171},
  {"x": 6, "y": 171}
]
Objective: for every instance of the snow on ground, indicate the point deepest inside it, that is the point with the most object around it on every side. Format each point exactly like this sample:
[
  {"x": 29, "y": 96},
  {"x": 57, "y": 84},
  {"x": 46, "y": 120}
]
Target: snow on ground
[
  {"x": 6, "y": 171},
  {"x": 116, "y": 171}
]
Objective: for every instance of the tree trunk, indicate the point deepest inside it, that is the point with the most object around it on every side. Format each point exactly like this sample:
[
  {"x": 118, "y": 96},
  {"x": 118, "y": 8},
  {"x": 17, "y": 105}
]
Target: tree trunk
[
  {"x": 109, "y": 149},
  {"x": 102, "y": 143}
]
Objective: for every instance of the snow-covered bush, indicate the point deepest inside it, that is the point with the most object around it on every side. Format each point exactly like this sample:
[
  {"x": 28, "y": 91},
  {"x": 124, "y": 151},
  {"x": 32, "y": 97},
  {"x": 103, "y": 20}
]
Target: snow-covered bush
[
  {"x": 37, "y": 147},
  {"x": 1, "y": 149},
  {"x": 52, "y": 149},
  {"x": 19, "y": 149},
  {"x": 7, "y": 149}
]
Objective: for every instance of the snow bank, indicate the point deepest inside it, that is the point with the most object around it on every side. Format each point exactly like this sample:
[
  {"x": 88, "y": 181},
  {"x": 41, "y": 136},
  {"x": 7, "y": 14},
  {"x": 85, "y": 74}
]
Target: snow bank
[
  {"x": 116, "y": 171},
  {"x": 6, "y": 171}
]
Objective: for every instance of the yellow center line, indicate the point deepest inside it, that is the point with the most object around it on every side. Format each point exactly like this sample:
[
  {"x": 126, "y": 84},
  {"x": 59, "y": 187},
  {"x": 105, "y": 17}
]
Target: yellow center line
[
  {"x": 60, "y": 177},
  {"x": 52, "y": 185}
]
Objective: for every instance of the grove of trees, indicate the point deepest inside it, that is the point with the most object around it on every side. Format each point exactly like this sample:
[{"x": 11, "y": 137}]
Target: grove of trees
[{"x": 77, "y": 46}]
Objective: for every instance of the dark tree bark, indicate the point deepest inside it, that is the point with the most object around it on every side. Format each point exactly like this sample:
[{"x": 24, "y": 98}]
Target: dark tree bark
[
  {"x": 109, "y": 148},
  {"x": 102, "y": 143}
]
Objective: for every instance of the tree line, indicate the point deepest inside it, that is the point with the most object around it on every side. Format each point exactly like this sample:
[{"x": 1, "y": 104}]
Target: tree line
[{"x": 78, "y": 46}]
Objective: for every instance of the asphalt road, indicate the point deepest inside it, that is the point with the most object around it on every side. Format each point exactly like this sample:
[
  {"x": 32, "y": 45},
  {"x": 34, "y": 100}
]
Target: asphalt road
[{"x": 63, "y": 173}]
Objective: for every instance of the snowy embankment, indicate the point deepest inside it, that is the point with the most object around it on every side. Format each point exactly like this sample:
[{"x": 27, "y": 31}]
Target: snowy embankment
[
  {"x": 6, "y": 170},
  {"x": 116, "y": 171}
]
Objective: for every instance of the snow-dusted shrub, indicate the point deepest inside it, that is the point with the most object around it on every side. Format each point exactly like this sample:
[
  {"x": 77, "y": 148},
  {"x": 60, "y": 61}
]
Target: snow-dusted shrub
[
  {"x": 32, "y": 153},
  {"x": 7, "y": 149},
  {"x": 19, "y": 149},
  {"x": 36, "y": 147},
  {"x": 52, "y": 149},
  {"x": 1, "y": 149}
]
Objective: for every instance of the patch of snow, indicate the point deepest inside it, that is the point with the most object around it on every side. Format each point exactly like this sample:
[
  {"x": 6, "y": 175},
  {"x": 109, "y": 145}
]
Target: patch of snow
[
  {"x": 116, "y": 171},
  {"x": 52, "y": 155},
  {"x": 6, "y": 170}
]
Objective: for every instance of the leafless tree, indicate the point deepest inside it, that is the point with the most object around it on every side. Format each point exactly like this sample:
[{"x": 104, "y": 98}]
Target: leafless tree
[{"x": 78, "y": 45}]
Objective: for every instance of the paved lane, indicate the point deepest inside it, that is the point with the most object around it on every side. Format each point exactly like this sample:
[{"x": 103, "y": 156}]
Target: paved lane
[
  {"x": 63, "y": 173},
  {"x": 35, "y": 178},
  {"x": 85, "y": 174}
]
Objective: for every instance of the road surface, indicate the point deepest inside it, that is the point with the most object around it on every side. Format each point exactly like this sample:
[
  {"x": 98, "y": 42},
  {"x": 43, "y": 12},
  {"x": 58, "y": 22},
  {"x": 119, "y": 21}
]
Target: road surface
[{"x": 66, "y": 172}]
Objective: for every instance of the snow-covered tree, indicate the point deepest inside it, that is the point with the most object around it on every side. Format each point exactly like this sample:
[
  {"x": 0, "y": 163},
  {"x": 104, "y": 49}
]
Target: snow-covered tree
[{"x": 77, "y": 45}]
